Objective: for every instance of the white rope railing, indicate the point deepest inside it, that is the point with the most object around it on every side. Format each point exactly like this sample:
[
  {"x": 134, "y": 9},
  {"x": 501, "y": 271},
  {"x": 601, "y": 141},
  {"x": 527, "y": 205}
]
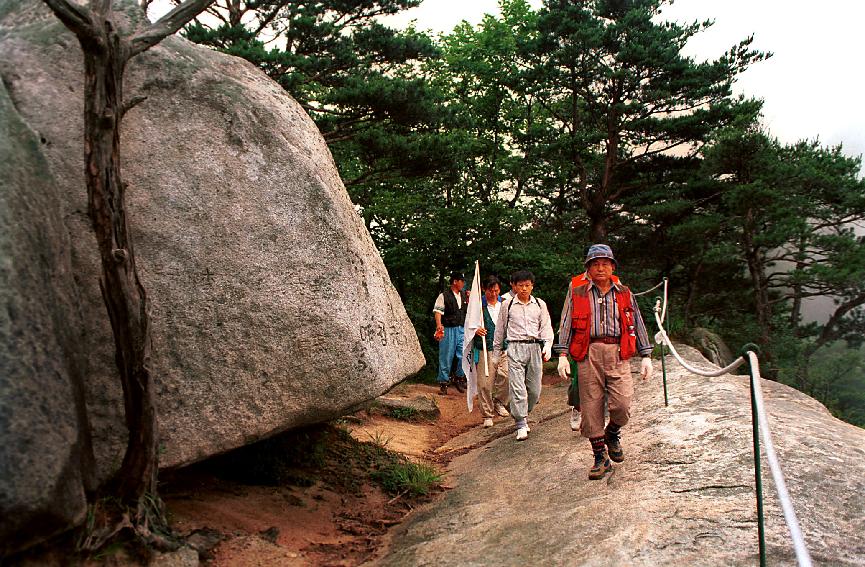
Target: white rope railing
[
  {"x": 663, "y": 282},
  {"x": 802, "y": 556},
  {"x": 652, "y": 288},
  {"x": 662, "y": 338}
]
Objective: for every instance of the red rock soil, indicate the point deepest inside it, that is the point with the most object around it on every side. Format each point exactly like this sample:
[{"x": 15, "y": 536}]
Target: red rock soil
[
  {"x": 323, "y": 524},
  {"x": 329, "y": 523}
]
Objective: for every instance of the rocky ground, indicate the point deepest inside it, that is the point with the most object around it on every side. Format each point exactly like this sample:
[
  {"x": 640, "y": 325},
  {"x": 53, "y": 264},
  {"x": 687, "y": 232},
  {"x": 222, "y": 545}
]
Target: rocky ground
[
  {"x": 685, "y": 493},
  {"x": 315, "y": 517}
]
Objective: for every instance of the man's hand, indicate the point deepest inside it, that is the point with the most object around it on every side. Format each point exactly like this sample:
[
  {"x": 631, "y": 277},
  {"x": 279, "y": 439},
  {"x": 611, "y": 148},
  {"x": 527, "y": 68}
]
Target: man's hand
[
  {"x": 440, "y": 333},
  {"x": 547, "y": 351},
  {"x": 564, "y": 367},
  {"x": 481, "y": 332},
  {"x": 646, "y": 368}
]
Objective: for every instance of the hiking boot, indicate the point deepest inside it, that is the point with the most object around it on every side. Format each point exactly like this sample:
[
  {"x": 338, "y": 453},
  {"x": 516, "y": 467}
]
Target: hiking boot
[
  {"x": 488, "y": 422},
  {"x": 443, "y": 388},
  {"x": 459, "y": 384},
  {"x": 601, "y": 467},
  {"x": 502, "y": 410},
  {"x": 522, "y": 433},
  {"x": 575, "y": 419},
  {"x": 614, "y": 446}
]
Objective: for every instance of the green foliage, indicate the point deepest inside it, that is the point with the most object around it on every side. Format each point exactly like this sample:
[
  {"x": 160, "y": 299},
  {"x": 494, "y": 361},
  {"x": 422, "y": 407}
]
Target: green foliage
[
  {"x": 521, "y": 140},
  {"x": 394, "y": 472},
  {"x": 620, "y": 100},
  {"x": 379, "y": 439},
  {"x": 404, "y": 414},
  {"x": 407, "y": 477},
  {"x": 837, "y": 379},
  {"x": 785, "y": 214}
]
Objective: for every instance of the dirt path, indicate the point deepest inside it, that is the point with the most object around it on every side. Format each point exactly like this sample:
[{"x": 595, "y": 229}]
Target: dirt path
[{"x": 328, "y": 522}]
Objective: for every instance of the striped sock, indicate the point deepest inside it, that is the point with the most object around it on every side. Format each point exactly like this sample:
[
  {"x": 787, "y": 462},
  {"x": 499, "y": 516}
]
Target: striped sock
[{"x": 598, "y": 445}]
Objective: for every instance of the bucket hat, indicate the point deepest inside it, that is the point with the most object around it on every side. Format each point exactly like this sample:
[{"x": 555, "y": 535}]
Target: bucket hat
[{"x": 600, "y": 251}]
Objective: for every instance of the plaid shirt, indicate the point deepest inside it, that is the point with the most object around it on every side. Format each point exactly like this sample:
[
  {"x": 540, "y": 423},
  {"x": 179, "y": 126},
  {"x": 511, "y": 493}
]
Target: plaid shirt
[{"x": 605, "y": 319}]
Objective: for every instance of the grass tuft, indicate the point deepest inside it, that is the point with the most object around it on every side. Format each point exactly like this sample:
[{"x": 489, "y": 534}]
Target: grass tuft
[
  {"x": 404, "y": 414},
  {"x": 407, "y": 477}
]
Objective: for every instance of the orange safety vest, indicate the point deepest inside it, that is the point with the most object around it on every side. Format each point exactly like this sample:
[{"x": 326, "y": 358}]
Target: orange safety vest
[{"x": 581, "y": 319}]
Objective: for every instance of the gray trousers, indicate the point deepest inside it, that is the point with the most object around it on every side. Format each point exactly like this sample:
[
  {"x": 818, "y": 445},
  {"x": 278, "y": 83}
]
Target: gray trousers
[{"x": 525, "y": 367}]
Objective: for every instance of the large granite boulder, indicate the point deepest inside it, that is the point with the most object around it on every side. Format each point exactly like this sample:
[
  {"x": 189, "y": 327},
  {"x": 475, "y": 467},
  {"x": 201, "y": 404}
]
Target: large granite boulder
[
  {"x": 684, "y": 495},
  {"x": 41, "y": 394},
  {"x": 271, "y": 307}
]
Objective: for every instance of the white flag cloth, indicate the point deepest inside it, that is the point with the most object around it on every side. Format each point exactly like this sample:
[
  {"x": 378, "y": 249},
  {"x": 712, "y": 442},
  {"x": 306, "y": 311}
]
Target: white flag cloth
[{"x": 474, "y": 321}]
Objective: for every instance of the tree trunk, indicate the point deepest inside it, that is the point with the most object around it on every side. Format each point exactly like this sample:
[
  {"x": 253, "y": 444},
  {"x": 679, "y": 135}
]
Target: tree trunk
[
  {"x": 603, "y": 194},
  {"x": 597, "y": 225},
  {"x": 106, "y": 53},
  {"x": 105, "y": 58},
  {"x": 796, "y": 290},
  {"x": 756, "y": 269},
  {"x": 693, "y": 284}
]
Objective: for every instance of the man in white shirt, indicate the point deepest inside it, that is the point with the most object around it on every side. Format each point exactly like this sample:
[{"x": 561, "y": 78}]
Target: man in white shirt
[{"x": 525, "y": 323}]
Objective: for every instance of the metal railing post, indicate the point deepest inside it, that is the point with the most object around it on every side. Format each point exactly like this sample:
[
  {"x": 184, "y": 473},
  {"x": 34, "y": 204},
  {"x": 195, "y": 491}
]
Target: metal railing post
[
  {"x": 664, "y": 372},
  {"x": 759, "y": 423},
  {"x": 664, "y": 365},
  {"x": 758, "y": 473}
]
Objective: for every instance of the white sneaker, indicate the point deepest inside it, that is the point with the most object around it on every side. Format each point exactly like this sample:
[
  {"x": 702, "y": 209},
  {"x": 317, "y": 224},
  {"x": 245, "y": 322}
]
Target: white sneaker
[
  {"x": 488, "y": 422},
  {"x": 502, "y": 410},
  {"x": 575, "y": 419},
  {"x": 522, "y": 433}
]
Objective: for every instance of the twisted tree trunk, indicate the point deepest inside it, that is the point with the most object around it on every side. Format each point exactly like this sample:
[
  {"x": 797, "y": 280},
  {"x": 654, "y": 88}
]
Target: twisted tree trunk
[{"x": 106, "y": 53}]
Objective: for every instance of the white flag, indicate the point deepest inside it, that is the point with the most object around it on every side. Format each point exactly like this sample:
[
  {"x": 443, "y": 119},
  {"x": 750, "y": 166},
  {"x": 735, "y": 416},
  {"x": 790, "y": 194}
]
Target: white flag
[{"x": 474, "y": 321}]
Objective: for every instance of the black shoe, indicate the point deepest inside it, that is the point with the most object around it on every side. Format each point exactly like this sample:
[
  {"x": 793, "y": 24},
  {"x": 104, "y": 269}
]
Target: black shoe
[
  {"x": 443, "y": 388},
  {"x": 601, "y": 467},
  {"x": 614, "y": 446},
  {"x": 460, "y": 384}
]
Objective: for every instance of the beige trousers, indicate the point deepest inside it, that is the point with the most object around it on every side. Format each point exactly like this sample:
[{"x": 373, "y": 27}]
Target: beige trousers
[
  {"x": 492, "y": 388},
  {"x": 604, "y": 370}
]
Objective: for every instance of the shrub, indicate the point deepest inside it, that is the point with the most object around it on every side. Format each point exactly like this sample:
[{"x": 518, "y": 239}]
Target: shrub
[
  {"x": 404, "y": 414},
  {"x": 407, "y": 477}
]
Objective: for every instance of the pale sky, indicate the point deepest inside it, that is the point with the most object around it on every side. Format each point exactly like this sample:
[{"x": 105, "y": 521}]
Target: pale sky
[{"x": 810, "y": 86}]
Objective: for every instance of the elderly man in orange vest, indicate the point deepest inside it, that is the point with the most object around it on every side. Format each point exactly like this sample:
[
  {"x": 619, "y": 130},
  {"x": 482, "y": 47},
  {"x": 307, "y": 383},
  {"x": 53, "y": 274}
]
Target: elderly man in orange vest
[{"x": 602, "y": 328}]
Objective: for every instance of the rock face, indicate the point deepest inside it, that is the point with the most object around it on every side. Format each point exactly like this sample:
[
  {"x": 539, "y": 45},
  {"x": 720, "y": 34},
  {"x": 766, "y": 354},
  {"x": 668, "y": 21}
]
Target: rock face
[
  {"x": 271, "y": 307},
  {"x": 712, "y": 346},
  {"x": 40, "y": 382},
  {"x": 684, "y": 495}
]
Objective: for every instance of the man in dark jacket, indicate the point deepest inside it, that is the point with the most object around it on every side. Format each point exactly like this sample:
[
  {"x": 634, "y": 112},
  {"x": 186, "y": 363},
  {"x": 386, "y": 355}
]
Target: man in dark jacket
[
  {"x": 492, "y": 378},
  {"x": 450, "y": 316}
]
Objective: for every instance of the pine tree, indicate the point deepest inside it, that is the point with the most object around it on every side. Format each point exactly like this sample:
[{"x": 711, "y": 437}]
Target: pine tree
[{"x": 622, "y": 98}]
